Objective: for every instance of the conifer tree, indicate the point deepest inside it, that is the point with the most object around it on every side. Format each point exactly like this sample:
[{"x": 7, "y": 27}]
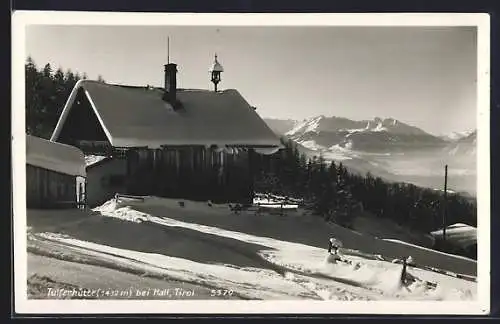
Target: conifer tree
[
  {"x": 46, "y": 94},
  {"x": 32, "y": 97}
]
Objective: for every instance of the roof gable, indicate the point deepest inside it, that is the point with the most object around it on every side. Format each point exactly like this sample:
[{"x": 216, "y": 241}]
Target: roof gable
[
  {"x": 54, "y": 156},
  {"x": 138, "y": 117}
]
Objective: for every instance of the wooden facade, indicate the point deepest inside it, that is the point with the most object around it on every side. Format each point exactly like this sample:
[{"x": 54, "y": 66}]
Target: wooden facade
[
  {"x": 190, "y": 172},
  {"x": 197, "y": 173},
  {"x": 49, "y": 189}
]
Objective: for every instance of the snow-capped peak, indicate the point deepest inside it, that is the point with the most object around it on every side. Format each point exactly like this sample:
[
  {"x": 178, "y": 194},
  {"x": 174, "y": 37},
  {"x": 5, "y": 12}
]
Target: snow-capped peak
[
  {"x": 379, "y": 128},
  {"x": 305, "y": 126},
  {"x": 375, "y": 125}
]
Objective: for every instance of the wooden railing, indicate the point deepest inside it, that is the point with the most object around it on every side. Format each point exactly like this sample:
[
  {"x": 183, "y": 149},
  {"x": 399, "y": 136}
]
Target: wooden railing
[{"x": 131, "y": 197}]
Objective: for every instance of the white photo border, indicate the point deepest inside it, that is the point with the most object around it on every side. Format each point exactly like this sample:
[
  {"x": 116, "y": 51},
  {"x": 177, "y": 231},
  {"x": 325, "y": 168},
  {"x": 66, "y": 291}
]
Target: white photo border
[{"x": 21, "y": 19}]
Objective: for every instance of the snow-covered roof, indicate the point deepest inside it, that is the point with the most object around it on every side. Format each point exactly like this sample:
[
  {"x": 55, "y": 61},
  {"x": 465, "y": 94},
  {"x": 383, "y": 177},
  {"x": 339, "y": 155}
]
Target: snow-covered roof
[
  {"x": 138, "y": 116},
  {"x": 460, "y": 234},
  {"x": 54, "y": 156}
]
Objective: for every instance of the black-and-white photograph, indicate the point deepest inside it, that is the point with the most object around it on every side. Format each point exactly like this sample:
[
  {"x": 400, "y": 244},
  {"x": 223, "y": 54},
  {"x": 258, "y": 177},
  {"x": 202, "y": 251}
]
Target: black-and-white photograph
[{"x": 218, "y": 162}]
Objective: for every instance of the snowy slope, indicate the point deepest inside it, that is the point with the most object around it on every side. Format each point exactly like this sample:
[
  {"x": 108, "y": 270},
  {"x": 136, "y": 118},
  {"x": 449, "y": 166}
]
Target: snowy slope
[
  {"x": 212, "y": 247},
  {"x": 112, "y": 284}
]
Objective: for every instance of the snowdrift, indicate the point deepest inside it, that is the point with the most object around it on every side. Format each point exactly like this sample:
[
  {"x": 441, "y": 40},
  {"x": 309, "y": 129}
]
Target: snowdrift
[{"x": 462, "y": 235}]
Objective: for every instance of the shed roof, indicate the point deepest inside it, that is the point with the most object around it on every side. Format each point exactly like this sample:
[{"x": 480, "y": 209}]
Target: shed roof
[
  {"x": 54, "y": 156},
  {"x": 462, "y": 235},
  {"x": 139, "y": 117}
]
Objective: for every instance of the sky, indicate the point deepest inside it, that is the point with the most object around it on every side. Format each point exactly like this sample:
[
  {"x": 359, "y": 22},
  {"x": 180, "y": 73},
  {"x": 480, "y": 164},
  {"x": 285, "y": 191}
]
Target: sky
[{"x": 424, "y": 76}]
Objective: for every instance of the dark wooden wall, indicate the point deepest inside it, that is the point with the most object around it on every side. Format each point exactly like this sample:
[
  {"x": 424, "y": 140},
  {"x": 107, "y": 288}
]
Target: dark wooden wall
[
  {"x": 49, "y": 189},
  {"x": 193, "y": 172}
]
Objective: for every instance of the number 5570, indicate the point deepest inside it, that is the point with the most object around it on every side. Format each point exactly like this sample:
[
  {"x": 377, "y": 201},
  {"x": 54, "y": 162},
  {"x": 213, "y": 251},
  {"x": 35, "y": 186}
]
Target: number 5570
[{"x": 221, "y": 292}]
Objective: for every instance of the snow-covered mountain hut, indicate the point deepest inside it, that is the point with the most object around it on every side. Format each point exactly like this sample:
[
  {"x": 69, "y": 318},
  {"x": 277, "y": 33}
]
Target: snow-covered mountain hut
[
  {"x": 55, "y": 174},
  {"x": 170, "y": 142}
]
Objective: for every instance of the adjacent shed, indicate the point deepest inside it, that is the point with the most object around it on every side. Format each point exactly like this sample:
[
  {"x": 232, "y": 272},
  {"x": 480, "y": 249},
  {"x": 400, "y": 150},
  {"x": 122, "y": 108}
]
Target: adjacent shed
[
  {"x": 55, "y": 174},
  {"x": 106, "y": 176}
]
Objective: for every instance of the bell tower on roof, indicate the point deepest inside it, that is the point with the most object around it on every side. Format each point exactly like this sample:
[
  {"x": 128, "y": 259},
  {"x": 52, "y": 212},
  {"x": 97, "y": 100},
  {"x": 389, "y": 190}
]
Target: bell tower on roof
[{"x": 215, "y": 72}]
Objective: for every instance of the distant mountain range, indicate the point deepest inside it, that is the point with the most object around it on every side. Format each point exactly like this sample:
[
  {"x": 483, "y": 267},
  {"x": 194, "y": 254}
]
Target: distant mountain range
[
  {"x": 386, "y": 147},
  {"x": 377, "y": 135}
]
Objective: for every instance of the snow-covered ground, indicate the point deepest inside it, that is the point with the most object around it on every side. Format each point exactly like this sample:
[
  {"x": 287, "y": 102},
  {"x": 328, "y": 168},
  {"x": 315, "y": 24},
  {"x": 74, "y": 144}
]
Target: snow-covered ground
[
  {"x": 102, "y": 282},
  {"x": 460, "y": 234},
  {"x": 253, "y": 256}
]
